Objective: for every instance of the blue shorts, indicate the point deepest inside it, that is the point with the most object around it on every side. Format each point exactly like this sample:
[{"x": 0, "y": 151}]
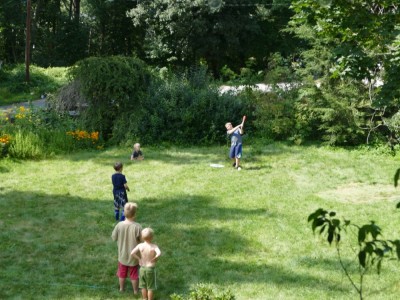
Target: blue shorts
[
  {"x": 236, "y": 151},
  {"x": 120, "y": 198}
]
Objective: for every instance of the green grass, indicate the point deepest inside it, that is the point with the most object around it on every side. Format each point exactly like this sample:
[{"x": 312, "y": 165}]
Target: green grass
[
  {"x": 246, "y": 230},
  {"x": 14, "y": 88}
]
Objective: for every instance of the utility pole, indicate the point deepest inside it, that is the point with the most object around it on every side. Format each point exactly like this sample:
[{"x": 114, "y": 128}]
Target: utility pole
[{"x": 28, "y": 40}]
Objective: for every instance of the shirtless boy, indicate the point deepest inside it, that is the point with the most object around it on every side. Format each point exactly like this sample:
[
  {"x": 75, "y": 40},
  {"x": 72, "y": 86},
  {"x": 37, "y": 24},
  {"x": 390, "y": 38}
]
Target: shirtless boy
[{"x": 147, "y": 254}]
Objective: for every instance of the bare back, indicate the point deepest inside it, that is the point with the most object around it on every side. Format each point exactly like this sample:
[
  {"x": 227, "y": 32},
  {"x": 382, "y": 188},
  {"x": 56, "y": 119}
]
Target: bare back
[{"x": 149, "y": 254}]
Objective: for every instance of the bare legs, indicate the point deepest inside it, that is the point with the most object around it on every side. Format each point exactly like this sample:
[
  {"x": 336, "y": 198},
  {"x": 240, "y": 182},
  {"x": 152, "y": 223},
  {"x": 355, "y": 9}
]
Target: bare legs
[
  {"x": 147, "y": 294},
  {"x": 236, "y": 162},
  {"x": 135, "y": 285}
]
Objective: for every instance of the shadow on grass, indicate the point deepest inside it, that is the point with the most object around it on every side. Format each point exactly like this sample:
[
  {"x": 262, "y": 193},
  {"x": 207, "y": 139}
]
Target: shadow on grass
[
  {"x": 330, "y": 264},
  {"x": 186, "y": 155},
  {"x": 179, "y": 156},
  {"x": 55, "y": 246},
  {"x": 59, "y": 246},
  {"x": 196, "y": 250},
  {"x": 258, "y": 168},
  {"x": 4, "y": 169}
]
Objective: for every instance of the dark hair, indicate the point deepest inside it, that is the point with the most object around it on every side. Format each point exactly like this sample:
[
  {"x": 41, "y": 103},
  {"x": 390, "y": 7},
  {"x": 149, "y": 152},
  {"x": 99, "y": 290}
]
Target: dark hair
[{"x": 118, "y": 166}]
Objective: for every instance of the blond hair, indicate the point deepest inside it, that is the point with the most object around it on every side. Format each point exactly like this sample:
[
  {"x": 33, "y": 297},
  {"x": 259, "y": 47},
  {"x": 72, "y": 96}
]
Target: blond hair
[
  {"x": 130, "y": 209},
  {"x": 147, "y": 234}
]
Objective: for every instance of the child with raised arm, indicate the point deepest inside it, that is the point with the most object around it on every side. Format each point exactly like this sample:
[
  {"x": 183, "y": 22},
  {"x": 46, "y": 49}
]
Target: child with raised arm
[
  {"x": 127, "y": 235},
  {"x": 147, "y": 254},
  {"x": 235, "y": 152},
  {"x": 120, "y": 187}
]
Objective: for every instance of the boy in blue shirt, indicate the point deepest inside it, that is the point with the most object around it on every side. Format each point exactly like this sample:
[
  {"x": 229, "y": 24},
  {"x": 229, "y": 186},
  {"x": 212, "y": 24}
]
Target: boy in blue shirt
[
  {"x": 119, "y": 191},
  {"x": 235, "y": 152}
]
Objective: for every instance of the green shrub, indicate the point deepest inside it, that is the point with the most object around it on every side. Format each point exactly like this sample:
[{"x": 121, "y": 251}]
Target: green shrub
[
  {"x": 274, "y": 114},
  {"x": 330, "y": 113},
  {"x": 57, "y": 141},
  {"x": 187, "y": 109},
  {"x": 37, "y": 133},
  {"x": 112, "y": 87},
  {"x": 26, "y": 144},
  {"x": 204, "y": 292}
]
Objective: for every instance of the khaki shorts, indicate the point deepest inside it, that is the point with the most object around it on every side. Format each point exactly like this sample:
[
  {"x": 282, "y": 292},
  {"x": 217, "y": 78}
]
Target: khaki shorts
[{"x": 148, "y": 278}]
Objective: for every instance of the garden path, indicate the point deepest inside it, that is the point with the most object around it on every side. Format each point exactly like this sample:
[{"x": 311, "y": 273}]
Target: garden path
[{"x": 41, "y": 103}]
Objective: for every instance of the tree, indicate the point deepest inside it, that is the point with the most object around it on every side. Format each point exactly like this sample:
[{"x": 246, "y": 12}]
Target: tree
[
  {"x": 371, "y": 252},
  {"x": 353, "y": 41},
  {"x": 12, "y": 31},
  {"x": 58, "y": 35},
  {"x": 185, "y": 33},
  {"x": 113, "y": 88},
  {"x": 111, "y": 30}
]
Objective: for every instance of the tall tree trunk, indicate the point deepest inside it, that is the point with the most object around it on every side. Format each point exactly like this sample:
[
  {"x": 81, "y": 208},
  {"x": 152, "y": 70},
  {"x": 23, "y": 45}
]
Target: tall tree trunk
[{"x": 77, "y": 10}]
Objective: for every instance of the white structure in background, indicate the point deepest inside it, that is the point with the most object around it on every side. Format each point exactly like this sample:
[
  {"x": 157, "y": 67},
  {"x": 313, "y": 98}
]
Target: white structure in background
[{"x": 265, "y": 88}]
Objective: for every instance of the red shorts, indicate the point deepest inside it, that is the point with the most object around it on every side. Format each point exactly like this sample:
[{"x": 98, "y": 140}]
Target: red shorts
[{"x": 123, "y": 271}]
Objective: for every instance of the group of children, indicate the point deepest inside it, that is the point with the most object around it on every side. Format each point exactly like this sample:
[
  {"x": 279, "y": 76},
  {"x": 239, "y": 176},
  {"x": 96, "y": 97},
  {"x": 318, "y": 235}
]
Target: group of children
[{"x": 137, "y": 255}]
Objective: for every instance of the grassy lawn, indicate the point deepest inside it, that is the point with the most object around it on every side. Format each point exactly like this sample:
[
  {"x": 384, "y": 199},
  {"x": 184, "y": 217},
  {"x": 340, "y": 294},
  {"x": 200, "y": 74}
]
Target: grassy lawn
[
  {"x": 246, "y": 230},
  {"x": 43, "y": 81}
]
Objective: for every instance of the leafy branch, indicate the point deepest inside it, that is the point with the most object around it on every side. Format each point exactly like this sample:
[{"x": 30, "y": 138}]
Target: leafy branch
[{"x": 371, "y": 248}]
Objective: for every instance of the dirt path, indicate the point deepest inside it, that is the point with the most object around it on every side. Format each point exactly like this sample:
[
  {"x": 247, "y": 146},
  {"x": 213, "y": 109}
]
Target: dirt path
[{"x": 36, "y": 103}]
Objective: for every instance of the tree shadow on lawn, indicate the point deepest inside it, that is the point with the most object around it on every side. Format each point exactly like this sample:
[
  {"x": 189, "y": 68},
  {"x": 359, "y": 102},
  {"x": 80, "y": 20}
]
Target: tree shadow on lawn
[
  {"x": 55, "y": 246},
  {"x": 198, "y": 246},
  {"x": 64, "y": 244},
  {"x": 177, "y": 156},
  {"x": 185, "y": 155},
  {"x": 4, "y": 169},
  {"x": 329, "y": 264},
  {"x": 370, "y": 287}
]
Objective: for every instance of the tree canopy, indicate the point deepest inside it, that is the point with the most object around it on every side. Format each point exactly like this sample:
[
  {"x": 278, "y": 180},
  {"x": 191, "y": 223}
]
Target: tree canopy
[{"x": 160, "y": 32}]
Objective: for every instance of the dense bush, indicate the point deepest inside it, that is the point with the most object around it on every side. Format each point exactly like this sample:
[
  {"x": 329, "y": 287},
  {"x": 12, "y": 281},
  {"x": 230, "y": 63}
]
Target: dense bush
[
  {"x": 274, "y": 114},
  {"x": 113, "y": 88},
  {"x": 125, "y": 102},
  {"x": 330, "y": 113},
  {"x": 188, "y": 109}
]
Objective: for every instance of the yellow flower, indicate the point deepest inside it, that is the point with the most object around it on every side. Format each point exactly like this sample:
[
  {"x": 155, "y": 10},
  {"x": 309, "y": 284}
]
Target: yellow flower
[
  {"x": 94, "y": 135},
  {"x": 83, "y": 134},
  {"x": 5, "y": 139}
]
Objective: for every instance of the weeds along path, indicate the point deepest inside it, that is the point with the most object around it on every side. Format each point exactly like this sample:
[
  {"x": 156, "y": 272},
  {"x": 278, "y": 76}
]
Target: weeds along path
[{"x": 41, "y": 103}]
